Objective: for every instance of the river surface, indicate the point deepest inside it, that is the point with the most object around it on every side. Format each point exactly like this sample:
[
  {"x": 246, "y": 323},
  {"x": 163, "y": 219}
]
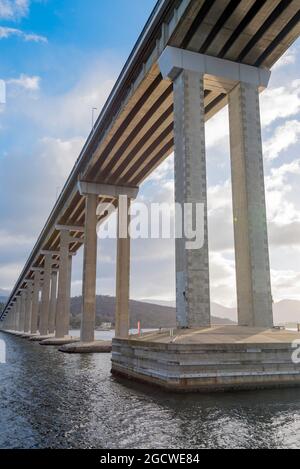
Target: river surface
[{"x": 51, "y": 399}]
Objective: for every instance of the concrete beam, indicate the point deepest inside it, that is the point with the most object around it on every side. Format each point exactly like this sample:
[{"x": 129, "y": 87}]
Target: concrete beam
[
  {"x": 173, "y": 60},
  {"x": 106, "y": 190},
  {"x": 78, "y": 228},
  {"x": 44, "y": 252}
]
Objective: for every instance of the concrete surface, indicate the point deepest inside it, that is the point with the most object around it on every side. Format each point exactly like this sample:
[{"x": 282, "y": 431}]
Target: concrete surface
[
  {"x": 98, "y": 346},
  {"x": 212, "y": 359}
]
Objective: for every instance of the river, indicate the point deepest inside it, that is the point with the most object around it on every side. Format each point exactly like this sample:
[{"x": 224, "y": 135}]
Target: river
[{"x": 51, "y": 399}]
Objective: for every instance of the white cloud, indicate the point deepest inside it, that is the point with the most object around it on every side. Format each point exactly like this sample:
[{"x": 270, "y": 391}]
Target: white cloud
[
  {"x": 288, "y": 58},
  {"x": 59, "y": 155},
  {"x": 26, "y": 82},
  {"x": 217, "y": 128},
  {"x": 283, "y": 137},
  {"x": 281, "y": 102},
  {"x": 14, "y": 9},
  {"x": 6, "y": 32}
]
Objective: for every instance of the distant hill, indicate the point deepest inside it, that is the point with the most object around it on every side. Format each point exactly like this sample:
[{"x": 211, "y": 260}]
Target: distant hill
[
  {"x": 162, "y": 313},
  {"x": 151, "y": 315}
]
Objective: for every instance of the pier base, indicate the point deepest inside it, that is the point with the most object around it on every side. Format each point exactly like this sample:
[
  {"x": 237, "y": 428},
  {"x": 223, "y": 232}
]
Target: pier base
[
  {"x": 218, "y": 358},
  {"x": 59, "y": 342},
  {"x": 39, "y": 338},
  {"x": 98, "y": 346}
]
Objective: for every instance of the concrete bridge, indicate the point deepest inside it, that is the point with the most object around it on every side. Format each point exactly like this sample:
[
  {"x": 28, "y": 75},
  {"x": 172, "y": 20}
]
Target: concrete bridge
[{"x": 193, "y": 58}]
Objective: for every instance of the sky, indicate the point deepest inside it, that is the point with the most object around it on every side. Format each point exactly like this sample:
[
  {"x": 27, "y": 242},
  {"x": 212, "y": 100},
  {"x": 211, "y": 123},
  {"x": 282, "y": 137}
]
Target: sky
[{"x": 60, "y": 59}]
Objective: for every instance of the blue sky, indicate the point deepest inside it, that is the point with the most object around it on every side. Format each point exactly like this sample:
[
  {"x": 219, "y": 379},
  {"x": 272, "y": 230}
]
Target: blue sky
[{"x": 61, "y": 58}]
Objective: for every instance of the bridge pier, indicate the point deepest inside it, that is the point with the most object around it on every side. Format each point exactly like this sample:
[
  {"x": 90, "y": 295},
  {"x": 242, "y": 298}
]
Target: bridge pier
[
  {"x": 22, "y": 311},
  {"x": 87, "y": 333},
  {"x": 44, "y": 319},
  {"x": 254, "y": 296},
  {"x": 28, "y": 310},
  {"x": 64, "y": 287},
  {"x": 53, "y": 302},
  {"x": 35, "y": 302},
  {"x": 192, "y": 268},
  {"x": 123, "y": 268}
]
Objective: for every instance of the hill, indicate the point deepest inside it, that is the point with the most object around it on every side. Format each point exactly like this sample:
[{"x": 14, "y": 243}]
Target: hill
[{"x": 151, "y": 315}]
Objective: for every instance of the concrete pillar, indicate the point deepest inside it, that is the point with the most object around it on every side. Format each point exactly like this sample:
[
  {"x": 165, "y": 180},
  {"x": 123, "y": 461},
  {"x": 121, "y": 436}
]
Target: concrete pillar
[
  {"x": 249, "y": 208},
  {"x": 35, "y": 302},
  {"x": 44, "y": 320},
  {"x": 62, "y": 307},
  {"x": 18, "y": 313},
  {"x": 28, "y": 309},
  {"x": 192, "y": 267},
  {"x": 22, "y": 312},
  {"x": 89, "y": 270},
  {"x": 123, "y": 269},
  {"x": 70, "y": 260},
  {"x": 53, "y": 302}
]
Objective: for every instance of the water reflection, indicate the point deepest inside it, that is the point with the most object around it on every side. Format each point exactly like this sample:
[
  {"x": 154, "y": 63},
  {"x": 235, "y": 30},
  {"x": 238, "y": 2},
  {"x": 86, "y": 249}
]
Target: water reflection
[{"x": 49, "y": 399}]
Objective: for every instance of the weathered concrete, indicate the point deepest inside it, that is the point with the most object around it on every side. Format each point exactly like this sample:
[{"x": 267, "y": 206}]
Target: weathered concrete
[
  {"x": 87, "y": 333},
  {"x": 22, "y": 311},
  {"x": 192, "y": 269},
  {"x": 249, "y": 209},
  {"x": 209, "y": 359},
  {"x": 53, "y": 302},
  {"x": 123, "y": 269},
  {"x": 62, "y": 308},
  {"x": 63, "y": 341},
  {"x": 44, "y": 319},
  {"x": 39, "y": 337},
  {"x": 97, "y": 346},
  {"x": 28, "y": 310},
  {"x": 18, "y": 329},
  {"x": 35, "y": 302}
]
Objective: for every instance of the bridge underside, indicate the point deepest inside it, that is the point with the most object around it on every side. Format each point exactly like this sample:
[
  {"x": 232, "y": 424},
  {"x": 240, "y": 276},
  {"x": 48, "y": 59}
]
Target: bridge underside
[{"x": 135, "y": 134}]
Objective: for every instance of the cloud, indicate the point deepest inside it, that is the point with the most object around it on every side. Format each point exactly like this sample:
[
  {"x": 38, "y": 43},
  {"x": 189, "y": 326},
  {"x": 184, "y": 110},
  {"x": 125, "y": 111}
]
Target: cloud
[
  {"x": 283, "y": 137},
  {"x": 288, "y": 58},
  {"x": 14, "y": 9},
  {"x": 26, "y": 82},
  {"x": 6, "y": 32},
  {"x": 281, "y": 102}
]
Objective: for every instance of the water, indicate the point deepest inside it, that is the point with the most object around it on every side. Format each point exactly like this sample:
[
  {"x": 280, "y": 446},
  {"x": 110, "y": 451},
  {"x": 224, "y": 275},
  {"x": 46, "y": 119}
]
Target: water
[{"x": 50, "y": 399}]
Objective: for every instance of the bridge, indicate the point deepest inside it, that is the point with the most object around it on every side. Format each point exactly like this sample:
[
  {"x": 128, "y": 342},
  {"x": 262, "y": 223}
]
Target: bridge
[{"x": 192, "y": 58}]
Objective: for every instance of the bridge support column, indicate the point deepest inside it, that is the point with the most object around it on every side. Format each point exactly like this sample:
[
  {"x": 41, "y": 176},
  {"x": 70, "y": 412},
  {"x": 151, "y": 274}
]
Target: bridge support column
[
  {"x": 22, "y": 311},
  {"x": 28, "y": 310},
  {"x": 64, "y": 287},
  {"x": 35, "y": 302},
  {"x": 89, "y": 270},
  {"x": 44, "y": 319},
  {"x": 53, "y": 302},
  {"x": 123, "y": 268},
  {"x": 18, "y": 313},
  {"x": 249, "y": 207},
  {"x": 192, "y": 268},
  {"x": 14, "y": 318}
]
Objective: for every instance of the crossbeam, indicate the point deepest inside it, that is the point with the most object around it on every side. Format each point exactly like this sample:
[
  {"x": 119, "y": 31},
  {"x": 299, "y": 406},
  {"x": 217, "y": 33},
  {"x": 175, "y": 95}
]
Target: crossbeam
[
  {"x": 107, "y": 190},
  {"x": 173, "y": 60}
]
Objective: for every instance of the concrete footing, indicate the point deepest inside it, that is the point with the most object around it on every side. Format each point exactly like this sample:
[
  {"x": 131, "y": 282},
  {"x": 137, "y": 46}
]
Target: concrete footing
[
  {"x": 39, "y": 338},
  {"x": 62, "y": 341},
  {"x": 98, "y": 346},
  {"x": 209, "y": 359}
]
